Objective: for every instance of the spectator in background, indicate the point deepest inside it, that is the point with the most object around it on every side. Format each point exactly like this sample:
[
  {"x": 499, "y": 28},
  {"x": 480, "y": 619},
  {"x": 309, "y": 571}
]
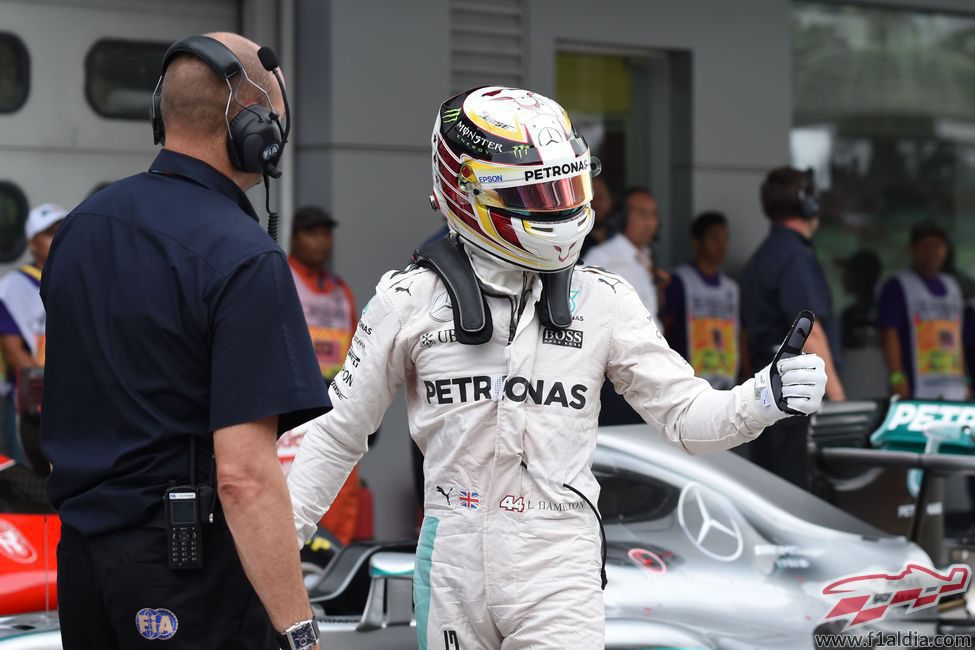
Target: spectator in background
[
  {"x": 331, "y": 316},
  {"x": 701, "y": 313},
  {"x": 919, "y": 314},
  {"x": 22, "y": 316},
  {"x": 858, "y": 322},
  {"x": 628, "y": 253},
  {"x": 602, "y": 208},
  {"x": 782, "y": 278},
  {"x": 863, "y": 373}
]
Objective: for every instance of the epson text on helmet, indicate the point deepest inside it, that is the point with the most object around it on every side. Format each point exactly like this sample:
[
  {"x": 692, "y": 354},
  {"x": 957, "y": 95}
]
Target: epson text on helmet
[{"x": 565, "y": 169}]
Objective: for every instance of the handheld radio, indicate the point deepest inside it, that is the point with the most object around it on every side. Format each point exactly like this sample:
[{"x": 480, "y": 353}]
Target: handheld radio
[
  {"x": 183, "y": 530},
  {"x": 186, "y": 508}
]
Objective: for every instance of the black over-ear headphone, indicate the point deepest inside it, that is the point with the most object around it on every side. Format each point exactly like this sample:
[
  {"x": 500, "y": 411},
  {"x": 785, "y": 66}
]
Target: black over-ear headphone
[
  {"x": 255, "y": 136},
  {"x": 808, "y": 201}
]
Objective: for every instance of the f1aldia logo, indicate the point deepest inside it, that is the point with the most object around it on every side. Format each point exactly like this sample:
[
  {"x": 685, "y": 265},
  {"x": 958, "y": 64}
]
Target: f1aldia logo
[{"x": 869, "y": 597}]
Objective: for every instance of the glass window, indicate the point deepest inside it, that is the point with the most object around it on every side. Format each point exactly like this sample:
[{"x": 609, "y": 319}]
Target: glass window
[
  {"x": 627, "y": 496},
  {"x": 13, "y": 216},
  {"x": 121, "y": 75},
  {"x": 884, "y": 111},
  {"x": 634, "y": 111},
  {"x": 14, "y": 73},
  {"x": 606, "y": 100}
]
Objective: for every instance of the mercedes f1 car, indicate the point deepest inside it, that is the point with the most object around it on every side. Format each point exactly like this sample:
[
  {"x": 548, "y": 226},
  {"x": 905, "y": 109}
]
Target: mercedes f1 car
[{"x": 702, "y": 552}]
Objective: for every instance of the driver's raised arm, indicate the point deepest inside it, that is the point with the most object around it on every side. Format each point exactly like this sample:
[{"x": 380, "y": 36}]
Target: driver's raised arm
[{"x": 660, "y": 385}]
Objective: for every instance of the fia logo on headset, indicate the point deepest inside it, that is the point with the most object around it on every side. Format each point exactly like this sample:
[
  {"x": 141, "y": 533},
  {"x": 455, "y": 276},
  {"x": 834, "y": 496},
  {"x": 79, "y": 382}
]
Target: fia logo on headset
[{"x": 271, "y": 151}]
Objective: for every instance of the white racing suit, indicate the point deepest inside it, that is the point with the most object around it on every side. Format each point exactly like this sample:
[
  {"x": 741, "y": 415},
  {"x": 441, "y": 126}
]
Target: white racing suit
[{"x": 508, "y": 556}]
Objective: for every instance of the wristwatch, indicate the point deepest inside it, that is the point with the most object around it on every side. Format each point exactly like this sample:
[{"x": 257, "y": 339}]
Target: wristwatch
[{"x": 300, "y": 636}]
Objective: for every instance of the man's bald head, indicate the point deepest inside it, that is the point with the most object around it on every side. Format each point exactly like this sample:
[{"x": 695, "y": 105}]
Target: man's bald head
[{"x": 194, "y": 97}]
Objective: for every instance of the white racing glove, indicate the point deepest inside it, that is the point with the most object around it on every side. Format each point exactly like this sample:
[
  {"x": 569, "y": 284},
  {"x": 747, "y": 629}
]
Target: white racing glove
[{"x": 803, "y": 386}]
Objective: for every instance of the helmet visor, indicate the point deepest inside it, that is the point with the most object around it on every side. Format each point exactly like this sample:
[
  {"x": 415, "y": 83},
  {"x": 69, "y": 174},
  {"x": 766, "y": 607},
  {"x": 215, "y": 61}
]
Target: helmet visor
[
  {"x": 567, "y": 193},
  {"x": 556, "y": 195}
]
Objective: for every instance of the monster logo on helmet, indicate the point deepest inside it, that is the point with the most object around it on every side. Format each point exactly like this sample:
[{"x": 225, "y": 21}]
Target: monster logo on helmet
[{"x": 512, "y": 177}]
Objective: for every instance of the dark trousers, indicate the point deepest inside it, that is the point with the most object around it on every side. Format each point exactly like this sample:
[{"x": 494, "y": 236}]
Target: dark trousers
[
  {"x": 781, "y": 449},
  {"x": 115, "y": 592}
]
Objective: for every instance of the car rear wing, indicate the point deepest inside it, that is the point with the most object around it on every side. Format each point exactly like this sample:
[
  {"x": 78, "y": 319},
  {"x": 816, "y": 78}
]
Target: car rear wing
[{"x": 940, "y": 464}]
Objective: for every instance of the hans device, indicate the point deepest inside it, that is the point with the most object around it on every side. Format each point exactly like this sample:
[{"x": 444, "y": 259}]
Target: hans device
[
  {"x": 183, "y": 527},
  {"x": 791, "y": 347}
]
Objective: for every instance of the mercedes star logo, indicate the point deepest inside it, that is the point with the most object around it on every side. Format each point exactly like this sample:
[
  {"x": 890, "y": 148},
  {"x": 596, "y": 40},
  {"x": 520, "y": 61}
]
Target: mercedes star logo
[
  {"x": 441, "y": 311},
  {"x": 709, "y": 523},
  {"x": 548, "y": 135}
]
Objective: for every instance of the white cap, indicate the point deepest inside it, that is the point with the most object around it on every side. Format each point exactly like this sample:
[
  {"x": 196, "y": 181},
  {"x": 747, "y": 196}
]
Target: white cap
[{"x": 43, "y": 217}]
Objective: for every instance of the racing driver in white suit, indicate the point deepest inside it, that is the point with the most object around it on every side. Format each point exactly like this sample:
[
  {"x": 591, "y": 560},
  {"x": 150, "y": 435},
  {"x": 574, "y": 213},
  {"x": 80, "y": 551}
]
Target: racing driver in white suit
[{"x": 503, "y": 400}]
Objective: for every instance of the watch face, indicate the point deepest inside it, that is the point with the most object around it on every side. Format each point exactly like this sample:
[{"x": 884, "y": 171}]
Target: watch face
[{"x": 305, "y": 636}]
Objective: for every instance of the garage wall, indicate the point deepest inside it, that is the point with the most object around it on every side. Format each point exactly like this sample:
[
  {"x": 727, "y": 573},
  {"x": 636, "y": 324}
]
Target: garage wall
[
  {"x": 371, "y": 77},
  {"x": 56, "y": 147}
]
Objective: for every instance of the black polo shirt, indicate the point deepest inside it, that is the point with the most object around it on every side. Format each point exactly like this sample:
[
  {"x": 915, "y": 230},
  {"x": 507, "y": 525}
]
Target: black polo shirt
[
  {"x": 781, "y": 279},
  {"x": 170, "y": 314}
]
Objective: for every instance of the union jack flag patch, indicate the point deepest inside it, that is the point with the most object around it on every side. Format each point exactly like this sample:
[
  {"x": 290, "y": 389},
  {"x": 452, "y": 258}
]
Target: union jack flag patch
[{"x": 469, "y": 499}]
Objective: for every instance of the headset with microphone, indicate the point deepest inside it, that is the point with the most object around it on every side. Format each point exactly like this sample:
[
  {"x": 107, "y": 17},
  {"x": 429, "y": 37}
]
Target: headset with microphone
[
  {"x": 781, "y": 198},
  {"x": 255, "y": 136}
]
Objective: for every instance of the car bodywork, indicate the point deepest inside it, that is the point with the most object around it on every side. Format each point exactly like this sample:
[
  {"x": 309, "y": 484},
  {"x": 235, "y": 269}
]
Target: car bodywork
[
  {"x": 29, "y": 534},
  {"x": 703, "y": 552},
  {"x": 724, "y": 553}
]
